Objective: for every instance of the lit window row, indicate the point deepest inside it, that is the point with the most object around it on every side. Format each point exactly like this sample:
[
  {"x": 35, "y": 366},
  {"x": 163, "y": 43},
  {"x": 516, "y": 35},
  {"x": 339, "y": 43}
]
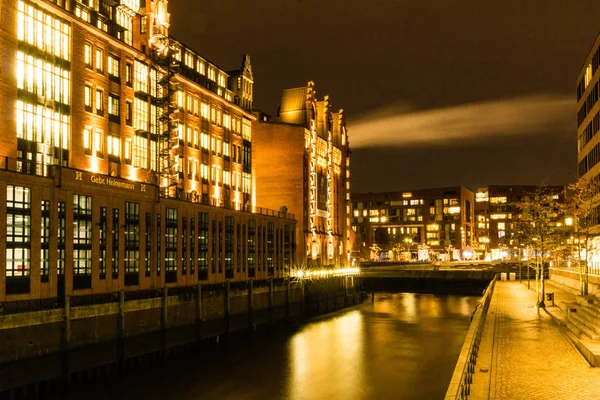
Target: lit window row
[
  {"x": 42, "y": 125},
  {"x": 43, "y": 30},
  {"x": 42, "y": 78}
]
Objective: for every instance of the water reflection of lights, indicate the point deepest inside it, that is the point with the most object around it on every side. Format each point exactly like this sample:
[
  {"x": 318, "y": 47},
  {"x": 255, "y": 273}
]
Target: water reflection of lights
[{"x": 329, "y": 355}]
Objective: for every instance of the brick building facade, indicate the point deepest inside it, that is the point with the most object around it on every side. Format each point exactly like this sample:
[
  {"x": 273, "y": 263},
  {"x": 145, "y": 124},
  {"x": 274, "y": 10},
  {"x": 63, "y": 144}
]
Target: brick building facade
[{"x": 126, "y": 157}]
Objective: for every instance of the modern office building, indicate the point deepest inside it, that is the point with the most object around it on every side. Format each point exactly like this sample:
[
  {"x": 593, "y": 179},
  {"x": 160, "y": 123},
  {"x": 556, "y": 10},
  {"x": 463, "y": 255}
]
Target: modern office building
[
  {"x": 302, "y": 164},
  {"x": 126, "y": 156},
  {"x": 496, "y": 231},
  {"x": 425, "y": 223}
]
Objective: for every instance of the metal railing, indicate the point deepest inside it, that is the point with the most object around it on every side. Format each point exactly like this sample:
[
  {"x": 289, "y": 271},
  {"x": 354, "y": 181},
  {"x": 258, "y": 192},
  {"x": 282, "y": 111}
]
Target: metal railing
[{"x": 460, "y": 385}]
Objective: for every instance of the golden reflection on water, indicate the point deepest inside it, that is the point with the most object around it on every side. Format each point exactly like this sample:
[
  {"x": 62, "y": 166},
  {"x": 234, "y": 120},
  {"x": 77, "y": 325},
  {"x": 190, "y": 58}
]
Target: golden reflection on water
[{"x": 327, "y": 358}]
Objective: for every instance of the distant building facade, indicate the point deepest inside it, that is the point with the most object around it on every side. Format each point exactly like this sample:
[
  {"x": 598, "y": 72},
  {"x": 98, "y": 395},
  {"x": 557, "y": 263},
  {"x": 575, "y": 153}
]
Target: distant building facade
[
  {"x": 396, "y": 225},
  {"x": 302, "y": 164},
  {"x": 126, "y": 157},
  {"x": 496, "y": 213}
]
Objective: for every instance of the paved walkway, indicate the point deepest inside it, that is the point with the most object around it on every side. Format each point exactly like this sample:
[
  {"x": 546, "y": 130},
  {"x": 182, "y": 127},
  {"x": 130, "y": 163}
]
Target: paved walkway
[{"x": 524, "y": 354}]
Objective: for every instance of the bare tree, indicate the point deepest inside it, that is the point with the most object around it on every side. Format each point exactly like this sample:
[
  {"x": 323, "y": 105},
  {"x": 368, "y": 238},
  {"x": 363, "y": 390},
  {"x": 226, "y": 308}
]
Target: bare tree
[
  {"x": 583, "y": 210},
  {"x": 537, "y": 225}
]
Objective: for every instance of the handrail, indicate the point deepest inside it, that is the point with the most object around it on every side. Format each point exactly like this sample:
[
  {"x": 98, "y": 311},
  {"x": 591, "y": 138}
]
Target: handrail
[{"x": 460, "y": 384}]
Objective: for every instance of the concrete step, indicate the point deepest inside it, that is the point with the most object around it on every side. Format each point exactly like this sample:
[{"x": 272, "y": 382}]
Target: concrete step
[
  {"x": 584, "y": 319},
  {"x": 581, "y": 327},
  {"x": 574, "y": 329},
  {"x": 589, "y": 301},
  {"x": 590, "y": 312}
]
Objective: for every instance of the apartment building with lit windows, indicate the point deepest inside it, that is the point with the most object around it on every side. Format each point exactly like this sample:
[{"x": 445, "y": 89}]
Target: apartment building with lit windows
[
  {"x": 496, "y": 231},
  {"x": 126, "y": 156},
  {"x": 588, "y": 116},
  {"x": 302, "y": 165},
  {"x": 396, "y": 225}
]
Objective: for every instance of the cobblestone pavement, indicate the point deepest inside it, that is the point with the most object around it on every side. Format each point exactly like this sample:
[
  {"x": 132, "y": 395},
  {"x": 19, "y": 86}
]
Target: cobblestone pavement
[{"x": 527, "y": 356}]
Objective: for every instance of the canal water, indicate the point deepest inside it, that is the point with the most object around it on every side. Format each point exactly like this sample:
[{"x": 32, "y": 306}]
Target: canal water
[{"x": 400, "y": 346}]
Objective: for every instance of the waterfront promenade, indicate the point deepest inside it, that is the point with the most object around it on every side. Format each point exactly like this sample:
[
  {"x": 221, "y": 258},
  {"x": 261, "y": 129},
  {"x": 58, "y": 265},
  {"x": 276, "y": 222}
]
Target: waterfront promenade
[{"x": 525, "y": 354}]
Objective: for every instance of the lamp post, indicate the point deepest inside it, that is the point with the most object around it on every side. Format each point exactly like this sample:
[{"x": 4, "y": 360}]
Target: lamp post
[
  {"x": 408, "y": 242},
  {"x": 583, "y": 269}
]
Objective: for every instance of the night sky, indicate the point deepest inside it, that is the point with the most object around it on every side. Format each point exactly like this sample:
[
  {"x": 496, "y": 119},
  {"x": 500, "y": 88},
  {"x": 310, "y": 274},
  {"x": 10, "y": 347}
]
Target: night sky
[{"x": 436, "y": 92}]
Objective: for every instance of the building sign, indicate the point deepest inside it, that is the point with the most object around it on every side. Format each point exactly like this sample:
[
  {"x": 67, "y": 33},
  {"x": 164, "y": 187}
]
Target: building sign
[
  {"x": 104, "y": 180},
  {"x": 107, "y": 181}
]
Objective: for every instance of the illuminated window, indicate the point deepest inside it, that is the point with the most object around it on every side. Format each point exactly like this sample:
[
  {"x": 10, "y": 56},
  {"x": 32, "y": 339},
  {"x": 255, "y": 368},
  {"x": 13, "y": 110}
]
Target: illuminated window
[
  {"x": 204, "y": 140},
  {"x": 588, "y": 75},
  {"x": 189, "y": 59},
  {"x": 113, "y": 107},
  {"x": 189, "y": 103},
  {"x": 213, "y": 114},
  {"x": 42, "y": 78},
  {"x": 501, "y": 234},
  {"x": 141, "y": 73},
  {"x": 200, "y": 67},
  {"x": 87, "y": 98},
  {"x": 83, "y": 14},
  {"x": 43, "y": 30},
  {"x": 219, "y": 119},
  {"x": 498, "y": 200},
  {"x": 98, "y": 147},
  {"x": 204, "y": 110},
  {"x": 127, "y": 151},
  {"x": 211, "y": 73},
  {"x": 140, "y": 152},
  {"x": 88, "y": 55},
  {"x": 222, "y": 80},
  {"x": 501, "y": 225},
  {"x": 87, "y": 140},
  {"x": 140, "y": 114},
  {"x": 246, "y": 130},
  {"x": 99, "y": 102},
  {"x": 114, "y": 66},
  {"x": 18, "y": 232},
  {"x": 195, "y": 140},
  {"x": 125, "y": 19},
  {"x": 99, "y": 60},
  {"x": 226, "y": 149},
  {"x": 114, "y": 146},
  {"x": 227, "y": 121},
  {"x": 195, "y": 106},
  {"x": 180, "y": 99}
]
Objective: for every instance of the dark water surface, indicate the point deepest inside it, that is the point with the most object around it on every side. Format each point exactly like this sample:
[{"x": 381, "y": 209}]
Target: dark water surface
[{"x": 402, "y": 346}]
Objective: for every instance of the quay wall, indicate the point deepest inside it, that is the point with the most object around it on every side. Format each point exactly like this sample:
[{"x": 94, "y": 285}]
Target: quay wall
[
  {"x": 53, "y": 347},
  {"x": 571, "y": 279}
]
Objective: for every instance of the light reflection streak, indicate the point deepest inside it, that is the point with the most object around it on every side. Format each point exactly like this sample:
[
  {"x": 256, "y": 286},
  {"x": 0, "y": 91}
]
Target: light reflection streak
[{"x": 327, "y": 358}]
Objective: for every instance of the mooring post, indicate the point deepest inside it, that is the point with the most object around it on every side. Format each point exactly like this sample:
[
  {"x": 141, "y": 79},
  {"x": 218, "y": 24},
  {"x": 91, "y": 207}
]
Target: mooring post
[
  {"x": 287, "y": 300},
  {"x": 227, "y": 307},
  {"x": 270, "y": 300},
  {"x": 66, "y": 373},
  {"x": 121, "y": 332},
  {"x": 250, "y": 303},
  {"x": 163, "y": 322},
  {"x": 198, "y": 312}
]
